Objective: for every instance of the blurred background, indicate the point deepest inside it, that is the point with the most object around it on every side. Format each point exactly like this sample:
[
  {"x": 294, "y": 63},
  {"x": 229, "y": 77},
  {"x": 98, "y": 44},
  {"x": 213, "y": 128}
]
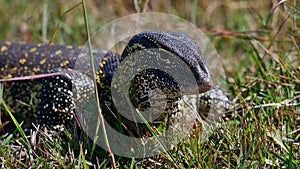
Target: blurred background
[
  {"x": 30, "y": 15},
  {"x": 228, "y": 23}
]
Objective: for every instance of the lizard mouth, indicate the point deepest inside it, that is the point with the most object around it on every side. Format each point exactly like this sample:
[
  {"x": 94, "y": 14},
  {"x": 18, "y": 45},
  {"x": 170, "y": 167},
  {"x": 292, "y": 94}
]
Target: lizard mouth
[
  {"x": 204, "y": 87},
  {"x": 197, "y": 89}
]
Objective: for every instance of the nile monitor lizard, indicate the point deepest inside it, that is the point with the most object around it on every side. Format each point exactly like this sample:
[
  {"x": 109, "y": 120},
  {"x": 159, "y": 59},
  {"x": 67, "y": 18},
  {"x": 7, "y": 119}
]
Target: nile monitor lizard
[{"x": 48, "y": 100}]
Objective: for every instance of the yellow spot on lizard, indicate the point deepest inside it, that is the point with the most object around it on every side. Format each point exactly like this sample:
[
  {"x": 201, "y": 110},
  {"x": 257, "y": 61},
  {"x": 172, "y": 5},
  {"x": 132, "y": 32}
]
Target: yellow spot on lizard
[
  {"x": 43, "y": 61},
  {"x": 32, "y": 49},
  {"x": 58, "y": 52},
  {"x": 8, "y": 76},
  {"x": 22, "y": 61},
  {"x": 3, "y": 48},
  {"x": 36, "y": 69},
  {"x": 62, "y": 64},
  {"x": 101, "y": 64},
  {"x": 69, "y": 47}
]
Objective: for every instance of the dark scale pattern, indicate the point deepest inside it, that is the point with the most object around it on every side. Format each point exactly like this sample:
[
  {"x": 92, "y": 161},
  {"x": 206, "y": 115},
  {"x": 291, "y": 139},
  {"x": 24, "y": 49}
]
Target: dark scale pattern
[
  {"x": 178, "y": 43},
  {"x": 21, "y": 97},
  {"x": 144, "y": 97},
  {"x": 32, "y": 59},
  {"x": 56, "y": 104},
  {"x": 104, "y": 75},
  {"x": 17, "y": 60},
  {"x": 48, "y": 100},
  {"x": 216, "y": 102}
]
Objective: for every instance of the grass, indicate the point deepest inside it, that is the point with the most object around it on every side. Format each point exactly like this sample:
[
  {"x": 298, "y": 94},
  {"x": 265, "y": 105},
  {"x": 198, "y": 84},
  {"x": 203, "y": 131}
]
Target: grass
[{"x": 259, "y": 45}]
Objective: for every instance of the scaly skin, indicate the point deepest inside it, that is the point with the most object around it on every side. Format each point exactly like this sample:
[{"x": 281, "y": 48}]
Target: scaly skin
[{"x": 55, "y": 105}]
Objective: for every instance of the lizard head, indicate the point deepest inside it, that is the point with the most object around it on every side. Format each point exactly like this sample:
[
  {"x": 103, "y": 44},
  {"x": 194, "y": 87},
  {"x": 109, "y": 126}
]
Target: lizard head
[{"x": 179, "y": 44}]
